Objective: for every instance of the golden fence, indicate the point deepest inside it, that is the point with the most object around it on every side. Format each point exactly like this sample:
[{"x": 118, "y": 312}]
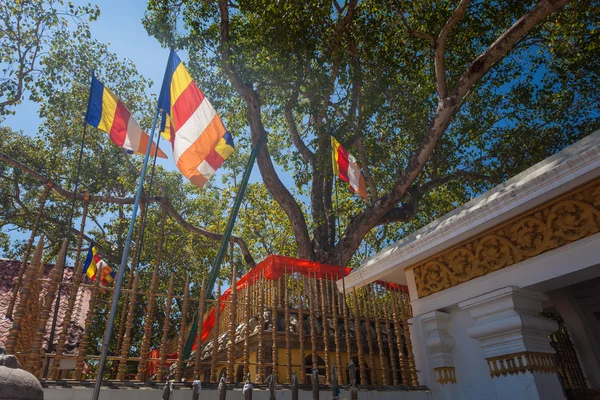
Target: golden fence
[{"x": 284, "y": 326}]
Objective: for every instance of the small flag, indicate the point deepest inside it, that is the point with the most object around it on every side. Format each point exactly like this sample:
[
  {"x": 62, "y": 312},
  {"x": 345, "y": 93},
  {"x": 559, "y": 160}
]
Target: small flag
[
  {"x": 107, "y": 113},
  {"x": 93, "y": 263},
  {"x": 346, "y": 168},
  {"x": 199, "y": 139}
]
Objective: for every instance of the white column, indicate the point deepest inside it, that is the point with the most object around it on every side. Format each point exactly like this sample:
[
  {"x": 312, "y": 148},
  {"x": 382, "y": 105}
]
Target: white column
[
  {"x": 440, "y": 345},
  {"x": 515, "y": 343}
]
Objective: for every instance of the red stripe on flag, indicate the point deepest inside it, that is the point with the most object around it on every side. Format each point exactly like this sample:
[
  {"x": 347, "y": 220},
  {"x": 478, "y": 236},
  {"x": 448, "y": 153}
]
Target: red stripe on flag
[
  {"x": 343, "y": 164},
  {"x": 118, "y": 131},
  {"x": 187, "y": 103},
  {"x": 214, "y": 159}
]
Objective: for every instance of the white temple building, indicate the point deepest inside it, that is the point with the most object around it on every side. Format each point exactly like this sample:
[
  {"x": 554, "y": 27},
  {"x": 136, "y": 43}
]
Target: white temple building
[{"x": 505, "y": 290}]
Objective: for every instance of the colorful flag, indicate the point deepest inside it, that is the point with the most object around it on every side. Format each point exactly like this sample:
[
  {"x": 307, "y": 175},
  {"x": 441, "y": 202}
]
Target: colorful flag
[
  {"x": 199, "y": 139},
  {"x": 93, "y": 264},
  {"x": 346, "y": 168},
  {"x": 107, "y": 113}
]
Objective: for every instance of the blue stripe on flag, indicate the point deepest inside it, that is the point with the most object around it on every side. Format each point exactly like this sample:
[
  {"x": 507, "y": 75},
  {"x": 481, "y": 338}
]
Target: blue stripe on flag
[{"x": 94, "y": 112}]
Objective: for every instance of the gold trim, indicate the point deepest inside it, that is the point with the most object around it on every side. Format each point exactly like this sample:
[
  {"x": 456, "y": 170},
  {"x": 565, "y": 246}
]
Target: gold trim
[
  {"x": 557, "y": 223},
  {"x": 516, "y": 363},
  {"x": 445, "y": 375}
]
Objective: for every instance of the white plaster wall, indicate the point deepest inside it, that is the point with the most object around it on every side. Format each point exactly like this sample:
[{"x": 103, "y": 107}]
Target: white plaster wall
[
  {"x": 79, "y": 393},
  {"x": 472, "y": 372}
]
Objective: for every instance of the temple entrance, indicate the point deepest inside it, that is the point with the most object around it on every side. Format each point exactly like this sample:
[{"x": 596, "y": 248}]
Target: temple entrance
[{"x": 576, "y": 310}]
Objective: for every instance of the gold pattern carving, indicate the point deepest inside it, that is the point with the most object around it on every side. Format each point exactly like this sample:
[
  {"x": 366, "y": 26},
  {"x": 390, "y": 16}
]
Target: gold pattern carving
[
  {"x": 555, "y": 224},
  {"x": 445, "y": 375},
  {"x": 516, "y": 363}
]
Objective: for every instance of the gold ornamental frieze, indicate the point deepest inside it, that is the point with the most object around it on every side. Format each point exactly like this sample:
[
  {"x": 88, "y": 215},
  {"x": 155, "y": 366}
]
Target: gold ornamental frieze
[{"x": 557, "y": 223}]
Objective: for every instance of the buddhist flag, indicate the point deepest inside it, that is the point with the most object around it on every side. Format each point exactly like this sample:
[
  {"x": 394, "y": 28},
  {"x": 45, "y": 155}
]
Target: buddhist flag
[
  {"x": 199, "y": 139},
  {"x": 107, "y": 113},
  {"x": 346, "y": 168},
  {"x": 93, "y": 264}
]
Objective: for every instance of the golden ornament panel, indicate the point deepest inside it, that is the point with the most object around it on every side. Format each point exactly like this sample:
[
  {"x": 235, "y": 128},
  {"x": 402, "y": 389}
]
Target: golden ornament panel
[{"x": 559, "y": 222}]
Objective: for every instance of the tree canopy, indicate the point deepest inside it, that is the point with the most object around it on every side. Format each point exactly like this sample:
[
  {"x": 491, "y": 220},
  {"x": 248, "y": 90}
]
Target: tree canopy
[{"x": 438, "y": 100}]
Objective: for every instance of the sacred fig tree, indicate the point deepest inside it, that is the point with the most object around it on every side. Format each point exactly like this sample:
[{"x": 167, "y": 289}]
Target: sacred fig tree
[{"x": 437, "y": 100}]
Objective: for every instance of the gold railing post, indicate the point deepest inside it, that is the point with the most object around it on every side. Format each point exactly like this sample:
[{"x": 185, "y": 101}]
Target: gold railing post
[
  {"x": 198, "y": 356},
  {"x": 35, "y": 354},
  {"x": 247, "y": 331},
  {"x": 302, "y": 296},
  {"x": 128, "y": 324},
  {"x": 336, "y": 335},
  {"x": 165, "y": 336},
  {"x": 288, "y": 346},
  {"x": 274, "y": 297},
  {"x": 260, "y": 354},
  {"x": 232, "y": 326},
  {"x": 27, "y": 296},
  {"x": 215, "y": 349},
  {"x": 399, "y": 333},
  {"x": 86, "y": 331},
  {"x": 34, "y": 229},
  {"x": 376, "y": 318},
  {"x": 405, "y": 311},
  {"x": 73, "y": 291},
  {"x": 358, "y": 333},
  {"x": 149, "y": 318},
  {"x": 325, "y": 329},
  {"x": 182, "y": 330},
  {"x": 365, "y": 313},
  {"x": 313, "y": 324},
  {"x": 345, "y": 312},
  {"x": 388, "y": 329}
]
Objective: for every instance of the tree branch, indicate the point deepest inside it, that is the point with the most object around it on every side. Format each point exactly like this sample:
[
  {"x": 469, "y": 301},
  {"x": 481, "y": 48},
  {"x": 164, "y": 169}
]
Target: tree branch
[
  {"x": 440, "y": 46},
  {"x": 307, "y": 155},
  {"x": 164, "y": 201},
  {"x": 414, "y": 33}
]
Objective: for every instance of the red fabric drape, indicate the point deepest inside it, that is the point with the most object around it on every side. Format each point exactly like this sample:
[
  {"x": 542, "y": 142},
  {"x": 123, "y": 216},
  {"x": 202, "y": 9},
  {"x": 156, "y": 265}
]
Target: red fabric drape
[
  {"x": 274, "y": 267},
  {"x": 152, "y": 366}
]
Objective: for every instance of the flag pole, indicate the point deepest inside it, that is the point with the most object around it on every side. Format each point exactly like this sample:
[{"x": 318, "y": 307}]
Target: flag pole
[
  {"x": 139, "y": 251},
  {"x": 117, "y": 291},
  {"x": 69, "y": 230},
  {"x": 232, "y": 217}
]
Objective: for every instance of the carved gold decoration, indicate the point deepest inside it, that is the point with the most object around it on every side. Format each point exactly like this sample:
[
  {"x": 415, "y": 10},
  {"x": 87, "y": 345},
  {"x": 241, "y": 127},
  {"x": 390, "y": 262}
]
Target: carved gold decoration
[
  {"x": 555, "y": 224},
  {"x": 516, "y": 363},
  {"x": 445, "y": 375}
]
